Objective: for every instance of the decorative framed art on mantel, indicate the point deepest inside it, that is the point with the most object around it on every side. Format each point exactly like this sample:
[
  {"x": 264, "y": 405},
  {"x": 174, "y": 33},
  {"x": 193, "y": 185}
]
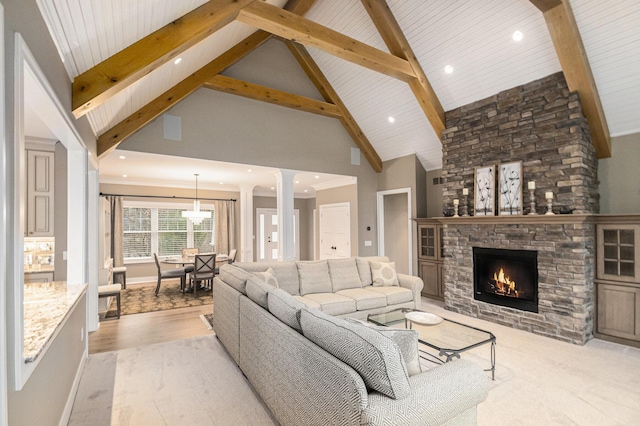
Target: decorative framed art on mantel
[
  {"x": 484, "y": 190},
  {"x": 510, "y": 189}
]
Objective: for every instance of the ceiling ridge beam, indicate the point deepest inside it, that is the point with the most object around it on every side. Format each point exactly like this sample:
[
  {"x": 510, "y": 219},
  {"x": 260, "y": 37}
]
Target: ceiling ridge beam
[
  {"x": 114, "y": 136},
  {"x": 316, "y": 76},
  {"x": 99, "y": 83},
  {"x": 292, "y": 27},
  {"x": 398, "y": 45},
  {"x": 577, "y": 71},
  {"x": 257, "y": 92}
]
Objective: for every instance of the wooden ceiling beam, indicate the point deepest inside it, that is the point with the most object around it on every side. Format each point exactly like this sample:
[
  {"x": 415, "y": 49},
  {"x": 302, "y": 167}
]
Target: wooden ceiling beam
[
  {"x": 109, "y": 140},
  {"x": 398, "y": 45},
  {"x": 577, "y": 71},
  {"x": 545, "y": 5},
  {"x": 329, "y": 94},
  {"x": 114, "y": 136},
  {"x": 99, "y": 83},
  {"x": 273, "y": 96},
  {"x": 295, "y": 28}
]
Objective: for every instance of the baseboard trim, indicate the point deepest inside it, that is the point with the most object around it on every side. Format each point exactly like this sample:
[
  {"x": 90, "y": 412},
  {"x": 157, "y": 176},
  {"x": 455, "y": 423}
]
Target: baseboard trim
[{"x": 66, "y": 414}]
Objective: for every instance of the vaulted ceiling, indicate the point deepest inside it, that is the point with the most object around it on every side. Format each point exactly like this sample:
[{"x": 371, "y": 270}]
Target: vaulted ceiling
[{"x": 370, "y": 60}]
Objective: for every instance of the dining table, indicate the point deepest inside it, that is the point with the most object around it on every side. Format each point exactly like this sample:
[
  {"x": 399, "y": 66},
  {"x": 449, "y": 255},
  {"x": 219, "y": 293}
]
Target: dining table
[{"x": 191, "y": 259}]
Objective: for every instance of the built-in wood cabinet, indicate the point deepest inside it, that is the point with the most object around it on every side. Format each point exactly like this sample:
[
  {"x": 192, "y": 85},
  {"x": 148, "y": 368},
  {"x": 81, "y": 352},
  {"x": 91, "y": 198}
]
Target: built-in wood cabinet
[
  {"x": 618, "y": 279},
  {"x": 40, "y": 193},
  {"x": 430, "y": 258}
]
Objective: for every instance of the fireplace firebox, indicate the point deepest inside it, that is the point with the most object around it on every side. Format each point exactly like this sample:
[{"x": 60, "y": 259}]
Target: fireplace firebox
[{"x": 506, "y": 277}]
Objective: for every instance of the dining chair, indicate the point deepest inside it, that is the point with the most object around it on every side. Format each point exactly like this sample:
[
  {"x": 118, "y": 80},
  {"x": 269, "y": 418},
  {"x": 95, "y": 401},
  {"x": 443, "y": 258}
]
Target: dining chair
[
  {"x": 203, "y": 270},
  {"x": 170, "y": 274},
  {"x": 186, "y": 252}
]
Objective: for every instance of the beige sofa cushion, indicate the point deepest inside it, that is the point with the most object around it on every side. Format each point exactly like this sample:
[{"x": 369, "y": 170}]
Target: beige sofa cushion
[
  {"x": 407, "y": 341},
  {"x": 235, "y": 277},
  {"x": 384, "y": 274},
  {"x": 258, "y": 290},
  {"x": 364, "y": 270},
  {"x": 344, "y": 274},
  {"x": 333, "y": 304},
  {"x": 374, "y": 356},
  {"x": 365, "y": 299},
  {"x": 394, "y": 294},
  {"x": 285, "y": 272},
  {"x": 314, "y": 277},
  {"x": 284, "y": 307},
  {"x": 307, "y": 302}
]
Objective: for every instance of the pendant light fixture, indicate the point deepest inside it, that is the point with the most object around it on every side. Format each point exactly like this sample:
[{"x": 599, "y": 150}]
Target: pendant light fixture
[{"x": 195, "y": 215}]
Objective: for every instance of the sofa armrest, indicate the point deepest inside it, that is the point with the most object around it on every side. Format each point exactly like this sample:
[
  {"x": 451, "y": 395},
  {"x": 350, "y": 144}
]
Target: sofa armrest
[
  {"x": 414, "y": 284},
  {"x": 437, "y": 396}
]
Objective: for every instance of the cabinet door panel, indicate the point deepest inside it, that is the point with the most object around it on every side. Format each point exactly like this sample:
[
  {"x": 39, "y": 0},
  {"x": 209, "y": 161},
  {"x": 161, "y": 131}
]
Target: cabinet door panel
[
  {"x": 618, "y": 309},
  {"x": 429, "y": 275}
]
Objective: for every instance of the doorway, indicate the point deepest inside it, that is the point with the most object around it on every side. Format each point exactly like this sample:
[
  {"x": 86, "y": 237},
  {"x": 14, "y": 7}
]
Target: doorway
[
  {"x": 395, "y": 235},
  {"x": 268, "y": 236}
]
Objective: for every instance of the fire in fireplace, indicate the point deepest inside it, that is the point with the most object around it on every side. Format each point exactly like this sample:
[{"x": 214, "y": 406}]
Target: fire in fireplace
[{"x": 506, "y": 277}]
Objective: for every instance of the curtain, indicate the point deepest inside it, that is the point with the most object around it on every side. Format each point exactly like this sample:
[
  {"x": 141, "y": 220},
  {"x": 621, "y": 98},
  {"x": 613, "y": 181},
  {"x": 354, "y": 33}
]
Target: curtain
[
  {"x": 225, "y": 226},
  {"x": 117, "y": 231}
]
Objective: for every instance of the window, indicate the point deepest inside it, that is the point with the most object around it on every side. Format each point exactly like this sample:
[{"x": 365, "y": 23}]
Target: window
[{"x": 157, "y": 228}]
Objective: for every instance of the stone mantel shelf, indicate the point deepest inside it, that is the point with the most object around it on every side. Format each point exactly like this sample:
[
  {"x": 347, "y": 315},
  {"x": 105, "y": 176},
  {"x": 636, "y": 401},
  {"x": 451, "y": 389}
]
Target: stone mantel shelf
[{"x": 534, "y": 219}]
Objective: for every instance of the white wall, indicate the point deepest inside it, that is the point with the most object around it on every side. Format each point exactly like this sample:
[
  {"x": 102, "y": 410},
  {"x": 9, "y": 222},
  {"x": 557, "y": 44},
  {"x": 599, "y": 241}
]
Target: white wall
[{"x": 620, "y": 177}]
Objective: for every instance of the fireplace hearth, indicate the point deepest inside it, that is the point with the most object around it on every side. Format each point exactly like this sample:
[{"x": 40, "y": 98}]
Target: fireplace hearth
[{"x": 506, "y": 277}]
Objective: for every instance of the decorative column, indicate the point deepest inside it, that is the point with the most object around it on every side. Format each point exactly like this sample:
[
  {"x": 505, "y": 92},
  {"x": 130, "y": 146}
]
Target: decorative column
[
  {"x": 284, "y": 190},
  {"x": 246, "y": 223}
]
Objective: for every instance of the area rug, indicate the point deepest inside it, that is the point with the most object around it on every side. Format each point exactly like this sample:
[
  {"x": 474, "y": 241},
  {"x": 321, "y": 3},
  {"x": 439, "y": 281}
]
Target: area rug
[
  {"x": 184, "y": 382},
  {"x": 140, "y": 298},
  {"x": 207, "y": 319}
]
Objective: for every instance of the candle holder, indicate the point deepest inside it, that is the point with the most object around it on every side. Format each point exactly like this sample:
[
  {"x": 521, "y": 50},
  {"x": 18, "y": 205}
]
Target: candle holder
[
  {"x": 465, "y": 206},
  {"x": 532, "y": 200},
  {"x": 549, "y": 206}
]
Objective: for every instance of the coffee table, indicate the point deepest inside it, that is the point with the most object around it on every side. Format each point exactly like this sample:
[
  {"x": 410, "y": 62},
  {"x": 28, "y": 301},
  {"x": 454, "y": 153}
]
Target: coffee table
[{"x": 448, "y": 338}]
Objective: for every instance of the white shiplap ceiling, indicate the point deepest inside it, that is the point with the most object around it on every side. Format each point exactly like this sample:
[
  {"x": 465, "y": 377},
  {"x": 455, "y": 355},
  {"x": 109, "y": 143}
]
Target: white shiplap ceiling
[{"x": 473, "y": 36}]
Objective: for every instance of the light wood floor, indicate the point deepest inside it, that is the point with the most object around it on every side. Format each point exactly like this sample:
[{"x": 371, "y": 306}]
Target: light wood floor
[{"x": 144, "y": 329}]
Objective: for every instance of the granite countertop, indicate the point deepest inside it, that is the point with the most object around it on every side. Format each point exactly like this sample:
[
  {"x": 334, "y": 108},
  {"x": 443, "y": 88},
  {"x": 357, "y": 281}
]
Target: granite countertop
[
  {"x": 35, "y": 269},
  {"x": 46, "y": 305}
]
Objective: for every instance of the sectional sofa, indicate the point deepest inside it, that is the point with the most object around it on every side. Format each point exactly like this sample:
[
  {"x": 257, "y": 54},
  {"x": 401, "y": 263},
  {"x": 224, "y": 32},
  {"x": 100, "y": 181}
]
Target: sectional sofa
[{"x": 293, "y": 330}]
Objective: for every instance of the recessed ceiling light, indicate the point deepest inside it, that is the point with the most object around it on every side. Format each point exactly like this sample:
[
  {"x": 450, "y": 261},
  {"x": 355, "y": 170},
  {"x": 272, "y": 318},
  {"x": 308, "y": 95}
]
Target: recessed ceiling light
[
  {"x": 306, "y": 190},
  {"x": 272, "y": 188},
  {"x": 122, "y": 157},
  {"x": 297, "y": 181},
  {"x": 517, "y": 36},
  {"x": 124, "y": 175},
  {"x": 249, "y": 170},
  {"x": 221, "y": 183},
  {"x": 448, "y": 69},
  {"x": 392, "y": 120},
  {"x": 317, "y": 177},
  {"x": 177, "y": 61}
]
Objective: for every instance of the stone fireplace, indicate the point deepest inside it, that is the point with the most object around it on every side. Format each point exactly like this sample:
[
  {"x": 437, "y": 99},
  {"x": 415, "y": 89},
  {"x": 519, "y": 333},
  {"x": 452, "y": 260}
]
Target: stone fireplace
[{"x": 540, "y": 124}]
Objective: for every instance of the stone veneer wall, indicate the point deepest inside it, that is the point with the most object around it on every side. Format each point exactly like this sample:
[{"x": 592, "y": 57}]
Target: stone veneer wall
[{"x": 540, "y": 124}]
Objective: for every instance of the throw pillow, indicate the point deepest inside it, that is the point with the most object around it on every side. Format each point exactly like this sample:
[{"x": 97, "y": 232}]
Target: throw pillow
[
  {"x": 314, "y": 277},
  {"x": 258, "y": 290},
  {"x": 344, "y": 274},
  {"x": 283, "y": 306},
  {"x": 375, "y": 357},
  {"x": 384, "y": 274},
  {"x": 407, "y": 341},
  {"x": 364, "y": 270},
  {"x": 268, "y": 277}
]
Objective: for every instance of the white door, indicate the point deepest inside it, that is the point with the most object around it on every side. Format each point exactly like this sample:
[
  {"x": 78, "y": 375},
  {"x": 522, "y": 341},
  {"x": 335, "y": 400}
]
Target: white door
[
  {"x": 268, "y": 236},
  {"x": 335, "y": 231}
]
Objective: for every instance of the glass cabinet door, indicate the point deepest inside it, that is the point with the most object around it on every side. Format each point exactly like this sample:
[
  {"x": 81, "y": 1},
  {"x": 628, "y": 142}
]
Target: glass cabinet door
[
  {"x": 428, "y": 242},
  {"x": 618, "y": 252}
]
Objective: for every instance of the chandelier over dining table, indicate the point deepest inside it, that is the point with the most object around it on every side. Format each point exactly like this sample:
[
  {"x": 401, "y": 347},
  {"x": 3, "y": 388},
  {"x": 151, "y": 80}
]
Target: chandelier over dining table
[{"x": 196, "y": 216}]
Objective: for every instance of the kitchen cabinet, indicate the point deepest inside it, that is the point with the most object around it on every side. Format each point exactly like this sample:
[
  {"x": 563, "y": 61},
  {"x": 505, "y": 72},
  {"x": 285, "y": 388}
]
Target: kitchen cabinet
[
  {"x": 618, "y": 279},
  {"x": 430, "y": 258},
  {"x": 40, "y": 193},
  {"x": 38, "y": 277}
]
